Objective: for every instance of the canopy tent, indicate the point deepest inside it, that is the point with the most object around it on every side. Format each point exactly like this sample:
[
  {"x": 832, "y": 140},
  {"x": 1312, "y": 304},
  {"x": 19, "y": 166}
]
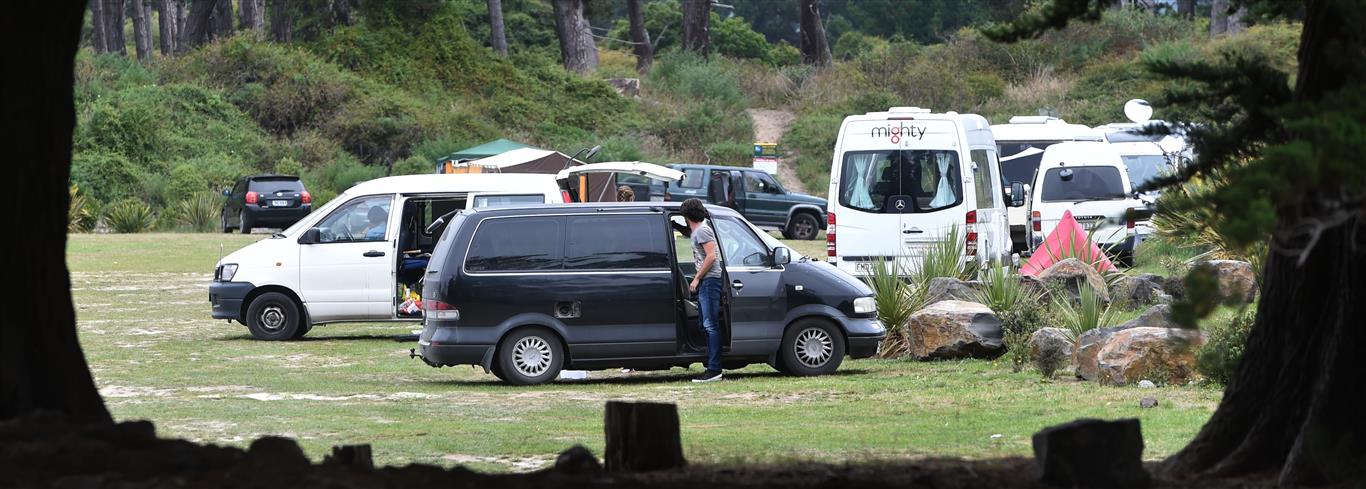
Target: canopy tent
[
  {"x": 491, "y": 148},
  {"x": 601, "y": 186},
  {"x": 1068, "y": 240}
]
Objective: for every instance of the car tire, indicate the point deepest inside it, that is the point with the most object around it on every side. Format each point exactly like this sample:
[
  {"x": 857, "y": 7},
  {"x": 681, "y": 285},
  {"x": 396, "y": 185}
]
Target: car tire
[
  {"x": 811, "y": 347},
  {"x": 530, "y": 356},
  {"x": 223, "y": 222},
  {"x": 244, "y": 222},
  {"x": 274, "y": 316},
  {"x": 802, "y": 226}
]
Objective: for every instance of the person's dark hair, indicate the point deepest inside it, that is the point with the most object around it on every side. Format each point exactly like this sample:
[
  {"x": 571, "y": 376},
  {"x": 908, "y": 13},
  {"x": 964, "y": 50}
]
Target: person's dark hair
[
  {"x": 694, "y": 211},
  {"x": 625, "y": 194},
  {"x": 377, "y": 215}
]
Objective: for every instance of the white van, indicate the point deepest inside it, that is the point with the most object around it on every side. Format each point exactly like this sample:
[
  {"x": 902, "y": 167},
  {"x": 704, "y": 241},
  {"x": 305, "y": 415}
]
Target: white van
[
  {"x": 902, "y": 179},
  {"x": 359, "y": 257},
  {"x": 1089, "y": 179},
  {"x": 1020, "y": 144}
]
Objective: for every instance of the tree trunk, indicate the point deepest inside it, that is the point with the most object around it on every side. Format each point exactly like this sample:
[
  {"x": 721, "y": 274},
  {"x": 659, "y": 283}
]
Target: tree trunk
[
  {"x": 113, "y": 27},
  {"x": 640, "y": 38},
  {"x": 579, "y": 53},
  {"x": 697, "y": 26},
  {"x": 251, "y": 15},
  {"x": 1185, "y": 8},
  {"x": 41, "y": 364},
  {"x": 142, "y": 30},
  {"x": 196, "y": 30},
  {"x": 1236, "y": 24},
  {"x": 281, "y": 21},
  {"x": 815, "y": 48},
  {"x": 1295, "y": 403},
  {"x": 642, "y": 436},
  {"x": 341, "y": 13},
  {"x": 221, "y": 19},
  {"x": 497, "y": 37},
  {"x": 98, "y": 40},
  {"x": 1218, "y": 17},
  {"x": 168, "y": 20}
]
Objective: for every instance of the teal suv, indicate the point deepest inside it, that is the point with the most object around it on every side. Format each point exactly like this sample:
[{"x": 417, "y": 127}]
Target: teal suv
[{"x": 753, "y": 193}]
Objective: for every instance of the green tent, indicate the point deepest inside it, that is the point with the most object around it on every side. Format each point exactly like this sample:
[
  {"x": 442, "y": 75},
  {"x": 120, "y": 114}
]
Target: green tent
[{"x": 491, "y": 148}]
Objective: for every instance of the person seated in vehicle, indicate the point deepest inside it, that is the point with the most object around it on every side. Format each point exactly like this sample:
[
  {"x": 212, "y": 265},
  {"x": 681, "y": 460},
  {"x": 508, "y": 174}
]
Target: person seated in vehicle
[
  {"x": 625, "y": 194},
  {"x": 379, "y": 218}
]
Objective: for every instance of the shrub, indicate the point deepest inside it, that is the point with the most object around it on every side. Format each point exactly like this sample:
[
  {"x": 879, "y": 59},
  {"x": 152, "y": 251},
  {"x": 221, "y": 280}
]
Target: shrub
[
  {"x": 105, "y": 176},
  {"x": 733, "y": 37},
  {"x": 78, "y": 215},
  {"x": 185, "y": 182},
  {"x": 784, "y": 54},
  {"x": 1016, "y": 305},
  {"x": 1218, "y": 359},
  {"x": 130, "y": 215},
  {"x": 1049, "y": 361},
  {"x": 339, "y": 175},
  {"x": 1090, "y": 311},
  {"x": 200, "y": 212},
  {"x": 896, "y": 298},
  {"x": 944, "y": 258}
]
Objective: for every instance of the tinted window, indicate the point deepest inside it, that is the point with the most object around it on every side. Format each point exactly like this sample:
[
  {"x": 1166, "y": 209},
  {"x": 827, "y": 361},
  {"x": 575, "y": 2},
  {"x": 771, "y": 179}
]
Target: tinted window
[
  {"x": 928, "y": 179},
  {"x": 615, "y": 243},
  {"x": 1144, "y": 168},
  {"x": 1021, "y": 169},
  {"x": 517, "y": 244},
  {"x": 484, "y": 201},
  {"x": 1082, "y": 183},
  {"x": 739, "y": 245},
  {"x": 760, "y": 183},
  {"x": 270, "y": 186},
  {"x": 692, "y": 178}
]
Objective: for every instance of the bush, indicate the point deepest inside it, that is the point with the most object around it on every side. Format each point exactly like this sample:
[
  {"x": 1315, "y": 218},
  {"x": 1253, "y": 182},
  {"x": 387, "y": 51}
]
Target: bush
[
  {"x": 944, "y": 258},
  {"x": 200, "y": 212},
  {"x": 1218, "y": 359},
  {"x": 130, "y": 215},
  {"x": 1017, "y": 306},
  {"x": 733, "y": 37},
  {"x": 185, "y": 182},
  {"x": 105, "y": 176},
  {"x": 897, "y": 298},
  {"x": 337, "y": 176},
  {"x": 78, "y": 215},
  {"x": 1090, "y": 311},
  {"x": 784, "y": 54},
  {"x": 1049, "y": 361}
]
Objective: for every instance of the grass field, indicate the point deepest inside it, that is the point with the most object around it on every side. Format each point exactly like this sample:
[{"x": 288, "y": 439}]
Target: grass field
[{"x": 142, "y": 304}]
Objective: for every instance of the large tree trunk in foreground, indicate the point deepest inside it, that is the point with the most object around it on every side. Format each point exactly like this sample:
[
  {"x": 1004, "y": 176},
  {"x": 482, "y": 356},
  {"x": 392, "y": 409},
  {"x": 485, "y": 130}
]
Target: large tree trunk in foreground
[
  {"x": 142, "y": 29},
  {"x": 497, "y": 37},
  {"x": 815, "y": 47},
  {"x": 41, "y": 364},
  {"x": 697, "y": 26},
  {"x": 579, "y": 53},
  {"x": 1295, "y": 404},
  {"x": 168, "y": 21},
  {"x": 640, "y": 38}
]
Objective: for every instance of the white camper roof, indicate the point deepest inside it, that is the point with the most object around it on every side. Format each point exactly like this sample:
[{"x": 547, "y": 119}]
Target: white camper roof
[
  {"x": 457, "y": 182},
  {"x": 1042, "y": 128}
]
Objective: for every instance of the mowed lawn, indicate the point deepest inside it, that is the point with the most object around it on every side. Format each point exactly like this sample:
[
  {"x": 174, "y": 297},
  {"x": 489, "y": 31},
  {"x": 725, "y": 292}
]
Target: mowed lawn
[{"x": 143, "y": 313}]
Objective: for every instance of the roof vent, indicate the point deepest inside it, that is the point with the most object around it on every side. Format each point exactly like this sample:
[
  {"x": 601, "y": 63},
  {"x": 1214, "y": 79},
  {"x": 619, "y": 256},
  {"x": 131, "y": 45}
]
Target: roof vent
[
  {"x": 909, "y": 110},
  {"x": 1033, "y": 119}
]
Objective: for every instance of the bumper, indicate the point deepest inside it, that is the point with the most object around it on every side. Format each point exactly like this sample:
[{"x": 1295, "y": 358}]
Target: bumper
[
  {"x": 446, "y": 355},
  {"x": 865, "y": 335},
  {"x": 226, "y": 299},
  {"x": 278, "y": 215},
  {"x": 864, "y": 346}
]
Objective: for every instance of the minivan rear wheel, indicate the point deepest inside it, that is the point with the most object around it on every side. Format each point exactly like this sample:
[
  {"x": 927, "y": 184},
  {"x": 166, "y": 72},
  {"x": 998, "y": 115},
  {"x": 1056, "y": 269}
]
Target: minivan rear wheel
[
  {"x": 273, "y": 316},
  {"x": 803, "y": 226},
  {"x": 530, "y": 356},
  {"x": 811, "y": 347}
]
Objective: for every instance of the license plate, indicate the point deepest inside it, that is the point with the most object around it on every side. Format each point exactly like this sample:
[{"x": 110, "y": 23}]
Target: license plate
[
  {"x": 1092, "y": 225},
  {"x": 279, "y": 203},
  {"x": 863, "y": 267}
]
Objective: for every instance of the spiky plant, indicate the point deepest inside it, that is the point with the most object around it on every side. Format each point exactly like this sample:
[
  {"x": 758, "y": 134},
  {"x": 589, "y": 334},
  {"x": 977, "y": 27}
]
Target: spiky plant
[
  {"x": 1088, "y": 313},
  {"x": 130, "y": 216},
  {"x": 199, "y": 213},
  {"x": 944, "y": 258},
  {"x": 78, "y": 212},
  {"x": 896, "y": 298}
]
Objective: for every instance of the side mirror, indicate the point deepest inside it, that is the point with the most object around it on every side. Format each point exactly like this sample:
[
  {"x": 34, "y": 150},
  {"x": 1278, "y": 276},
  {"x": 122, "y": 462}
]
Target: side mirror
[
  {"x": 781, "y": 256},
  {"x": 1017, "y": 194},
  {"x": 311, "y": 236}
]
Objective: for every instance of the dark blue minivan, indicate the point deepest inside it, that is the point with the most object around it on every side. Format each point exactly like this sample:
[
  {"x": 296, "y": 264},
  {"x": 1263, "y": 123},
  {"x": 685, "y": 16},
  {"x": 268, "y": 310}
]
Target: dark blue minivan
[{"x": 526, "y": 292}]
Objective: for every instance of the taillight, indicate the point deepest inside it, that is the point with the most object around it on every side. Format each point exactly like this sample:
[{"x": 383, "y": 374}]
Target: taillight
[
  {"x": 251, "y": 197},
  {"x": 435, "y": 309},
  {"x": 564, "y": 195},
  {"x": 830, "y": 234},
  {"x": 971, "y": 240},
  {"x": 1038, "y": 220},
  {"x": 307, "y": 199},
  {"x": 1129, "y": 215}
]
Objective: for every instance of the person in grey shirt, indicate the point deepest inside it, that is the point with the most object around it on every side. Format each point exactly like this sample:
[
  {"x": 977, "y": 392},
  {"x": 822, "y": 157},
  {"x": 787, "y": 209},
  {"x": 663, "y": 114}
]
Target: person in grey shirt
[{"x": 706, "y": 283}]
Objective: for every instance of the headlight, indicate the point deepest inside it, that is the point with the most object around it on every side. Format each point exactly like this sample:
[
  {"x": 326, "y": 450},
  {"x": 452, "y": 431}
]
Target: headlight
[
  {"x": 226, "y": 272},
  {"x": 865, "y": 305}
]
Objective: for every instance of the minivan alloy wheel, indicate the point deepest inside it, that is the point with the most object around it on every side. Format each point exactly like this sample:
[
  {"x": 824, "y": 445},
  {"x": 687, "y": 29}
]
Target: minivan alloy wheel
[
  {"x": 813, "y": 347},
  {"x": 532, "y": 356}
]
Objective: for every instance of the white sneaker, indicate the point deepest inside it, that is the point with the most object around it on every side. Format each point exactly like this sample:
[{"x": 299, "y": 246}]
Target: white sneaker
[{"x": 708, "y": 377}]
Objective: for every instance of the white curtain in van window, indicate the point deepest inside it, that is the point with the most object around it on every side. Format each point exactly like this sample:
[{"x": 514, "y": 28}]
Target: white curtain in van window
[
  {"x": 858, "y": 193},
  {"x": 943, "y": 195}
]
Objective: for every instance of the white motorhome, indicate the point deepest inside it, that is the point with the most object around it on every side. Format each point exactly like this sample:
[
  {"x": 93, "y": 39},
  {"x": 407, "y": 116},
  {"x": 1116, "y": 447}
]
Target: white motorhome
[
  {"x": 353, "y": 258},
  {"x": 1088, "y": 179},
  {"x": 902, "y": 179},
  {"x": 1146, "y": 156},
  {"x": 1020, "y": 144}
]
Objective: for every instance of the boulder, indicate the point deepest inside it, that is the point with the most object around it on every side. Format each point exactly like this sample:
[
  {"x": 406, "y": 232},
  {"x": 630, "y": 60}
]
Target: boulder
[
  {"x": 627, "y": 87},
  {"x": 1237, "y": 281},
  {"x": 578, "y": 461},
  {"x": 945, "y": 288},
  {"x": 1090, "y": 343},
  {"x": 955, "y": 329},
  {"x": 1068, "y": 275},
  {"x": 1134, "y": 354},
  {"x": 1139, "y": 290},
  {"x": 1036, "y": 287},
  {"x": 1092, "y": 453},
  {"x": 1051, "y": 341}
]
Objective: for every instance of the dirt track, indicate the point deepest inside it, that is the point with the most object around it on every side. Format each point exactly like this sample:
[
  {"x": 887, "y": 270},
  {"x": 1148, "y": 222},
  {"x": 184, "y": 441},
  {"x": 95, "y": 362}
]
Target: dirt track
[{"x": 769, "y": 126}]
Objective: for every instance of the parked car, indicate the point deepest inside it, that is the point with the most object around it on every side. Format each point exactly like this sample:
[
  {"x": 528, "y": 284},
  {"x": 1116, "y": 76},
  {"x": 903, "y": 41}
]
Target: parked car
[
  {"x": 905, "y": 178},
  {"x": 1090, "y": 180},
  {"x": 753, "y": 193},
  {"x": 1020, "y": 144},
  {"x": 351, "y": 260},
  {"x": 268, "y": 201},
  {"x": 526, "y": 292}
]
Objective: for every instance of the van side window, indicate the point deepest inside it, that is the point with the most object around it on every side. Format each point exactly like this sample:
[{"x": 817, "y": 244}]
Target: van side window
[
  {"x": 616, "y": 243},
  {"x": 760, "y": 183},
  {"x": 363, "y": 219},
  {"x": 983, "y": 185},
  {"x": 692, "y": 178},
  {"x": 739, "y": 245},
  {"x": 517, "y": 244}
]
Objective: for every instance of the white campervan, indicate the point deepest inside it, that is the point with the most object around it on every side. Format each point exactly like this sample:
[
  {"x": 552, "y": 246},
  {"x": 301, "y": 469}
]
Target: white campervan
[
  {"x": 1020, "y": 144},
  {"x": 902, "y": 179},
  {"x": 1089, "y": 179},
  {"x": 360, "y": 257}
]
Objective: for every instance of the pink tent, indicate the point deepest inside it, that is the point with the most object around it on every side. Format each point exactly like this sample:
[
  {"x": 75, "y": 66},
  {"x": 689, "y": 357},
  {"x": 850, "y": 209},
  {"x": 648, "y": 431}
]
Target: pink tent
[{"x": 1068, "y": 240}]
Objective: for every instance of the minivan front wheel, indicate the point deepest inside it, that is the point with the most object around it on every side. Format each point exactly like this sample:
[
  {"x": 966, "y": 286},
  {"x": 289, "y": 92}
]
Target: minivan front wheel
[
  {"x": 530, "y": 356},
  {"x": 811, "y": 347},
  {"x": 803, "y": 226},
  {"x": 274, "y": 316}
]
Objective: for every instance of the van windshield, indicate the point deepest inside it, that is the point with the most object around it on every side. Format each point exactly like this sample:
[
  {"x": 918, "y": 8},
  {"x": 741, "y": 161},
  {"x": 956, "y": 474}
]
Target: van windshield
[
  {"x": 1145, "y": 168},
  {"x": 1077, "y": 183},
  {"x": 886, "y": 181}
]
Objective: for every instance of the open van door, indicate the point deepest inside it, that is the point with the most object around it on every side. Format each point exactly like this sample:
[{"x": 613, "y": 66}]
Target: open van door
[
  {"x": 647, "y": 170},
  {"x": 727, "y": 188}
]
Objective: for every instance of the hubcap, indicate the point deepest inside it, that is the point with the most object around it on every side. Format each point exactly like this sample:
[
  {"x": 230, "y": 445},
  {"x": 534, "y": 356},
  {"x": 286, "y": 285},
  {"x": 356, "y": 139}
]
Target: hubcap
[
  {"x": 273, "y": 318},
  {"x": 813, "y": 347},
  {"x": 531, "y": 356},
  {"x": 804, "y": 228}
]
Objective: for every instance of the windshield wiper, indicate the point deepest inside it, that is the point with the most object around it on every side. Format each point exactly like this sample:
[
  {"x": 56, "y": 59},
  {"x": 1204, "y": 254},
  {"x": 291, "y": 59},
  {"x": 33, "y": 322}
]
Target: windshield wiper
[
  {"x": 1095, "y": 199},
  {"x": 278, "y": 236}
]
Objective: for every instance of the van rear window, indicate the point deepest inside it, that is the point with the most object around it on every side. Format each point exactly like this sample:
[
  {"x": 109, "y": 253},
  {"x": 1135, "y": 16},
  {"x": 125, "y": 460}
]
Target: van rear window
[
  {"x": 886, "y": 181},
  {"x": 272, "y": 185},
  {"x": 517, "y": 244},
  {"x": 1082, "y": 183}
]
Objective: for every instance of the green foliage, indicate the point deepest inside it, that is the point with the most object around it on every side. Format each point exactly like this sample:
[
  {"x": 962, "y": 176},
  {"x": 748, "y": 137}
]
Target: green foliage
[
  {"x": 1050, "y": 361},
  {"x": 200, "y": 212},
  {"x": 944, "y": 258},
  {"x": 1088, "y": 313},
  {"x": 708, "y": 107},
  {"x": 186, "y": 181},
  {"x": 784, "y": 54},
  {"x": 1226, "y": 339},
  {"x": 130, "y": 215},
  {"x": 897, "y": 298},
  {"x": 1018, "y": 307},
  {"x": 78, "y": 215},
  {"x": 733, "y": 37},
  {"x": 339, "y": 175},
  {"x": 105, "y": 176}
]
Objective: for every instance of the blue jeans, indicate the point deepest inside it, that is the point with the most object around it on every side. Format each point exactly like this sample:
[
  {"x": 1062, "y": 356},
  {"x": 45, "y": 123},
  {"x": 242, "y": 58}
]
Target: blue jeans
[{"x": 709, "y": 303}]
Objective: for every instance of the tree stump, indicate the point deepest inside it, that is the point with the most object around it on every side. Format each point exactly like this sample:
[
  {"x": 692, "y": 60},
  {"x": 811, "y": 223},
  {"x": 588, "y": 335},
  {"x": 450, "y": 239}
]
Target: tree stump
[
  {"x": 355, "y": 456},
  {"x": 642, "y": 436}
]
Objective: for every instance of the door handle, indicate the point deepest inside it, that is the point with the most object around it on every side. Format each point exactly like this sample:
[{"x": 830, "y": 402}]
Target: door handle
[
  {"x": 912, "y": 231},
  {"x": 737, "y": 285},
  {"x": 373, "y": 253}
]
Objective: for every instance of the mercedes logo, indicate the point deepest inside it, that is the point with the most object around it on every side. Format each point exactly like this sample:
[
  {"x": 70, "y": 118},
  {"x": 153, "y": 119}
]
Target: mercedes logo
[{"x": 900, "y": 205}]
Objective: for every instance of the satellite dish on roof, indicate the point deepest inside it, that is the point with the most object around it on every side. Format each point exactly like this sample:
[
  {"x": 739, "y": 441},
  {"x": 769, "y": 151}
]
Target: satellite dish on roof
[{"x": 1138, "y": 110}]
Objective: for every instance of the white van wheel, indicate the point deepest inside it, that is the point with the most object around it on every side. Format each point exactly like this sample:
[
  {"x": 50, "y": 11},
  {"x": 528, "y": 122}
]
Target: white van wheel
[
  {"x": 274, "y": 316},
  {"x": 530, "y": 356}
]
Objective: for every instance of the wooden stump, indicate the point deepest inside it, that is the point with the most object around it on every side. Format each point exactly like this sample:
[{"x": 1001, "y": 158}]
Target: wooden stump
[
  {"x": 642, "y": 436},
  {"x": 355, "y": 456}
]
